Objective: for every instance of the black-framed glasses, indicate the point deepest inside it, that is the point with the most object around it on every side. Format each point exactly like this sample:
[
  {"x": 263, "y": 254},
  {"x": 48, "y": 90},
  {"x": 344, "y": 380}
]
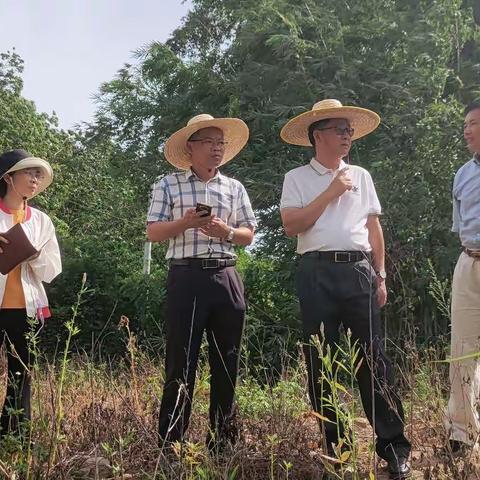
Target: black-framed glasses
[
  {"x": 340, "y": 131},
  {"x": 210, "y": 142}
]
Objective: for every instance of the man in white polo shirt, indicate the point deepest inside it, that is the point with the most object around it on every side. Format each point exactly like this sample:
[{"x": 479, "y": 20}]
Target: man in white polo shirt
[{"x": 332, "y": 208}]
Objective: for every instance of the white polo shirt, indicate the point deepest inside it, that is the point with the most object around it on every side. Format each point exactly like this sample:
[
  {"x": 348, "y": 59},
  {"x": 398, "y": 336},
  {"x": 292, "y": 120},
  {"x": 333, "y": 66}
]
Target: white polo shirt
[{"x": 342, "y": 225}]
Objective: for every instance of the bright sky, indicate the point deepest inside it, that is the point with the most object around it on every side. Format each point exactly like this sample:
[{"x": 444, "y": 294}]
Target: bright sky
[{"x": 71, "y": 46}]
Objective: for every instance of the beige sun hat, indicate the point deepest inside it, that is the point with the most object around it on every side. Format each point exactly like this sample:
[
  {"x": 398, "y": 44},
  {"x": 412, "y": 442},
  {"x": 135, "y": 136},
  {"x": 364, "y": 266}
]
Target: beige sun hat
[
  {"x": 363, "y": 121},
  {"x": 235, "y": 133},
  {"x": 19, "y": 159},
  {"x": 35, "y": 162}
]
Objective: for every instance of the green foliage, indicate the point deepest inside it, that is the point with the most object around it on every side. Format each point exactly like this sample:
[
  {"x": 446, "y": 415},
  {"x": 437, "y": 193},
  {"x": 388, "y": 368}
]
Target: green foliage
[
  {"x": 273, "y": 326},
  {"x": 286, "y": 398},
  {"x": 97, "y": 203},
  {"x": 20, "y": 125},
  {"x": 104, "y": 223},
  {"x": 415, "y": 62},
  {"x": 11, "y": 68}
]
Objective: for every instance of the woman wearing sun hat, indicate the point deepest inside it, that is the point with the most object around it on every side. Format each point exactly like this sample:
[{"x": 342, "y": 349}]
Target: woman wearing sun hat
[
  {"x": 204, "y": 290},
  {"x": 333, "y": 210},
  {"x": 22, "y": 176}
]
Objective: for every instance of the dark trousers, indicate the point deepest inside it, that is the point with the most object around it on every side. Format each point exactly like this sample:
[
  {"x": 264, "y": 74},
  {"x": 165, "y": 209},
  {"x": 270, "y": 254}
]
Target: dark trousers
[
  {"x": 13, "y": 330},
  {"x": 332, "y": 294},
  {"x": 199, "y": 300}
]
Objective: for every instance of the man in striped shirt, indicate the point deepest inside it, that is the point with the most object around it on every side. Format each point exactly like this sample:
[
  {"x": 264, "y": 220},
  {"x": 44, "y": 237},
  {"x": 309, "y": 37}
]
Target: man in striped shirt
[{"x": 204, "y": 290}]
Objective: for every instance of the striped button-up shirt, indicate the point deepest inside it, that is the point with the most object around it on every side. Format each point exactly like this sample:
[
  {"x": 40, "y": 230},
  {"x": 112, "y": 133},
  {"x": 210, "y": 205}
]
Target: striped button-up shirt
[
  {"x": 466, "y": 204},
  {"x": 173, "y": 194}
]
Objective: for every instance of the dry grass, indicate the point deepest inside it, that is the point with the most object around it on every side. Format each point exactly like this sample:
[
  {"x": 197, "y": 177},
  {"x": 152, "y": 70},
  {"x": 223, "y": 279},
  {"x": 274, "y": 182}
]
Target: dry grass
[{"x": 108, "y": 429}]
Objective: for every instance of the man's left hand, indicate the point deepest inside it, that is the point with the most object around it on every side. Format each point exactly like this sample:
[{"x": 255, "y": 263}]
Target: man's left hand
[
  {"x": 216, "y": 228},
  {"x": 381, "y": 292}
]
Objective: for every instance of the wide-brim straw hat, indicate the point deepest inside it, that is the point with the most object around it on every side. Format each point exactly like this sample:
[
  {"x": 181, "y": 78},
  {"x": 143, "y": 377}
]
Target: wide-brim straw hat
[
  {"x": 19, "y": 159},
  {"x": 363, "y": 121},
  {"x": 235, "y": 133}
]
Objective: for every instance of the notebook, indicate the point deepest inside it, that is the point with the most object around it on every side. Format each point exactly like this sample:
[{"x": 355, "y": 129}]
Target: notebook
[{"x": 17, "y": 250}]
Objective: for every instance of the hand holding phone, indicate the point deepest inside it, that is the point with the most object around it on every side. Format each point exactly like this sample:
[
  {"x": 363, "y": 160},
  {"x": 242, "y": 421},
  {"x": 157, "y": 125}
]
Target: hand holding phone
[
  {"x": 206, "y": 210},
  {"x": 194, "y": 218}
]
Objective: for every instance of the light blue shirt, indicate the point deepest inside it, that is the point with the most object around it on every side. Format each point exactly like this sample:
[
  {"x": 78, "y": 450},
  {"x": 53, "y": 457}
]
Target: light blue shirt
[{"x": 466, "y": 204}]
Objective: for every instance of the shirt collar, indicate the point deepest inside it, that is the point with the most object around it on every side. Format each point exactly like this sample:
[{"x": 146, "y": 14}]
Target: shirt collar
[
  {"x": 190, "y": 173},
  {"x": 322, "y": 170},
  {"x": 5, "y": 209},
  {"x": 476, "y": 158}
]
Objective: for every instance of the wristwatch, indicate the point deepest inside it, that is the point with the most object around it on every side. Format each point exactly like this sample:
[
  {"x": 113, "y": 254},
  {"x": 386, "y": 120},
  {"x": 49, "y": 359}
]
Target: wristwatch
[
  {"x": 382, "y": 274},
  {"x": 231, "y": 234}
]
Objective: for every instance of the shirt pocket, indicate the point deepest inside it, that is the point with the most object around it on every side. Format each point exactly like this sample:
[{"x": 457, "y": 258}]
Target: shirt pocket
[
  {"x": 223, "y": 206},
  {"x": 468, "y": 201}
]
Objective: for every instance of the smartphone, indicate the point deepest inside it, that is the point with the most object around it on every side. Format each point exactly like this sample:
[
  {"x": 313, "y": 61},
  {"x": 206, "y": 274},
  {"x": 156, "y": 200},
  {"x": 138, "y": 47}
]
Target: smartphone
[{"x": 202, "y": 207}]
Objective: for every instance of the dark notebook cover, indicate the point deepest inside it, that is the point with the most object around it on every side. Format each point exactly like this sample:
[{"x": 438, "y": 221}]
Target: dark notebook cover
[{"x": 17, "y": 250}]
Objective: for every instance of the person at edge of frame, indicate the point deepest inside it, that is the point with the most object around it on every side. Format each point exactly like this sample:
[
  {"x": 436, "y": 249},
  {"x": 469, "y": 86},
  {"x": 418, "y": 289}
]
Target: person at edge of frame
[
  {"x": 462, "y": 416},
  {"x": 23, "y": 297}
]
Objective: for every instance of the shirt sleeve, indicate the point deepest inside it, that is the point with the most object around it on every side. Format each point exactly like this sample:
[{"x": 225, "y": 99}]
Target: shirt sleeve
[
  {"x": 245, "y": 215},
  {"x": 455, "y": 210},
  {"x": 456, "y": 216},
  {"x": 291, "y": 197},
  {"x": 160, "y": 209},
  {"x": 374, "y": 207},
  {"x": 48, "y": 263}
]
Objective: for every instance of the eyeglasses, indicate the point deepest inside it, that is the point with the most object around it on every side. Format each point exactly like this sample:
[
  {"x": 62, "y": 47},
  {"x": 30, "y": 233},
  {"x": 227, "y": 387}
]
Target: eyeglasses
[
  {"x": 210, "y": 142},
  {"x": 340, "y": 131},
  {"x": 34, "y": 173}
]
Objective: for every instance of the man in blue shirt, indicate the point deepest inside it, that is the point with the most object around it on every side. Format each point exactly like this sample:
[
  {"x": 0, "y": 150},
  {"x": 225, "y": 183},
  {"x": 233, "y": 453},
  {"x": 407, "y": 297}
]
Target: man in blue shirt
[{"x": 463, "y": 419}]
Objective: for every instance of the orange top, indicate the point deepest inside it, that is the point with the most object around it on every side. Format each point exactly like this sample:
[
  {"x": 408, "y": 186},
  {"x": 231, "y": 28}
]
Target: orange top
[{"x": 13, "y": 296}]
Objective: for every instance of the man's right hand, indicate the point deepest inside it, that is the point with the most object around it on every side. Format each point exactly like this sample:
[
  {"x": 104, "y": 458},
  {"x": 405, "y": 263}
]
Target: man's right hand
[
  {"x": 2, "y": 240},
  {"x": 194, "y": 219},
  {"x": 340, "y": 184}
]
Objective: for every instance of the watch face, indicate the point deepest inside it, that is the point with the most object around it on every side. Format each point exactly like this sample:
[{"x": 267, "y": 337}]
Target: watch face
[{"x": 382, "y": 274}]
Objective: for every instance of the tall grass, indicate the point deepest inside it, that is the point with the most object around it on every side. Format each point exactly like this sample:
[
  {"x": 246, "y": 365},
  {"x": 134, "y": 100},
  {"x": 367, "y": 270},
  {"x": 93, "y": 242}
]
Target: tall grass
[{"x": 94, "y": 420}]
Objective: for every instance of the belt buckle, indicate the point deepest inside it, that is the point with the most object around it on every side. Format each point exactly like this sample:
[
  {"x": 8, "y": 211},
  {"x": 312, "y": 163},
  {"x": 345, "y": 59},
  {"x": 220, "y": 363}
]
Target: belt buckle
[
  {"x": 338, "y": 258},
  {"x": 209, "y": 263}
]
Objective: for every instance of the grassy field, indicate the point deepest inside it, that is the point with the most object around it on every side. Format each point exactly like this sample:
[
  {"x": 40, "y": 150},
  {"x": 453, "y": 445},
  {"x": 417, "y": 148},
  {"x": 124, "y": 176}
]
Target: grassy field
[{"x": 96, "y": 420}]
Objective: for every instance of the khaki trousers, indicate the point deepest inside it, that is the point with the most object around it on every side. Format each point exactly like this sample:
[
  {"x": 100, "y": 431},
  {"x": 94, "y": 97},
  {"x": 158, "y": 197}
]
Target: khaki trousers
[{"x": 463, "y": 418}]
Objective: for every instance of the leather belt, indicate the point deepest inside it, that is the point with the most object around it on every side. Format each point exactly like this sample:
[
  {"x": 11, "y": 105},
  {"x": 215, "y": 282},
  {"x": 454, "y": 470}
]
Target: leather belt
[
  {"x": 203, "y": 263},
  {"x": 340, "y": 256},
  {"x": 472, "y": 253}
]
